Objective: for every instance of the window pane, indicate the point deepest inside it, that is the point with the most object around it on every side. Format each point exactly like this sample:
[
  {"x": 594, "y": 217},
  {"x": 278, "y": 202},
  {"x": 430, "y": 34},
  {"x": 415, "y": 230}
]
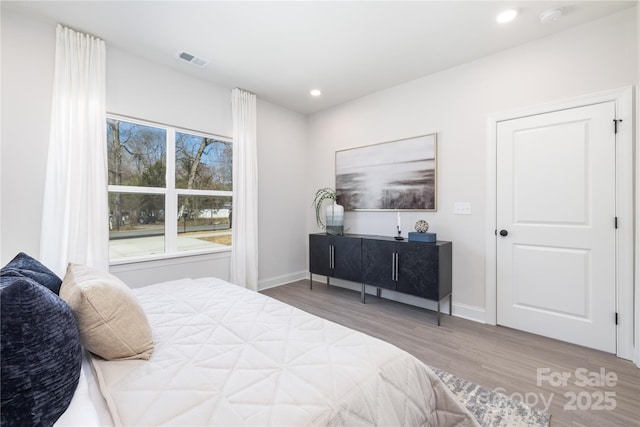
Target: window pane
[
  {"x": 136, "y": 224},
  {"x": 204, "y": 222},
  {"x": 202, "y": 163},
  {"x": 136, "y": 154}
]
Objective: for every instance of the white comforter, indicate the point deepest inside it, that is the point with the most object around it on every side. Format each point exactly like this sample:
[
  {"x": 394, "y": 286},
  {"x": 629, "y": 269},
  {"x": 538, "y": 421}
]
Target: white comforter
[{"x": 228, "y": 356}]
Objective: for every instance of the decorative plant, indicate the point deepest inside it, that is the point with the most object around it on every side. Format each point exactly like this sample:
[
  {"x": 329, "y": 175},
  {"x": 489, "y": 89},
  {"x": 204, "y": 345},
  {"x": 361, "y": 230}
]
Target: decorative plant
[{"x": 322, "y": 195}]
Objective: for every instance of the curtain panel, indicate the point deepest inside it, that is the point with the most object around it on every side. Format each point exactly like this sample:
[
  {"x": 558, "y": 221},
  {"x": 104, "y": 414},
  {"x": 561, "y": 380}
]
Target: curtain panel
[
  {"x": 75, "y": 208},
  {"x": 244, "y": 252}
]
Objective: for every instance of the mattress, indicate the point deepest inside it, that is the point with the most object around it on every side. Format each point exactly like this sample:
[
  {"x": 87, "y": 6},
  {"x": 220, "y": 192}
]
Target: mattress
[{"x": 227, "y": 356}]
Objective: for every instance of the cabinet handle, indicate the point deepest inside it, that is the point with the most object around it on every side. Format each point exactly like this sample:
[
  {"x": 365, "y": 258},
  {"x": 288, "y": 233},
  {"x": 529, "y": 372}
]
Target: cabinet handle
[
  {"x": 397, "y": 259},
  {"x": 393, "y": 266},
  {"x": 332, "y": 262}
]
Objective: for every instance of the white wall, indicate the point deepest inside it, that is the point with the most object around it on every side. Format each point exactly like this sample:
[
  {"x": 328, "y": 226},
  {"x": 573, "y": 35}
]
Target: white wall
[
  {"x": 27, "y": 79},
  {"x": 284, "y": 201},
  {"x": 140, "y": 89},
  {"x": 455, "y": 103}
]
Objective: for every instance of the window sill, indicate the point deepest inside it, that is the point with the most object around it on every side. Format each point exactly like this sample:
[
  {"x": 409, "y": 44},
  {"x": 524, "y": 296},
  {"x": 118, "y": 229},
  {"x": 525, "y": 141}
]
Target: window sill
[{"x": 173, "y": 258}]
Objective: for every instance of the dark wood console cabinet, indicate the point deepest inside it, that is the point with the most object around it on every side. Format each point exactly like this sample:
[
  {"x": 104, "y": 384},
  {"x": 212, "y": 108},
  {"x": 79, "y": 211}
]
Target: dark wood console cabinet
[{"x": 416, "y": 268}]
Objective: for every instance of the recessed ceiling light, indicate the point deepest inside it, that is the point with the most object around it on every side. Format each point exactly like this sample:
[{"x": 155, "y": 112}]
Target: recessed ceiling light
[
  {"x": 315, "y": 92},
  {"x": 506, "y": 16}
]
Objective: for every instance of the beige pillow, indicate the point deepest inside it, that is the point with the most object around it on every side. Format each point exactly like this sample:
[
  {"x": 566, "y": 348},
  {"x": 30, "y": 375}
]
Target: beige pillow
[{"x": 111, "y": 322}]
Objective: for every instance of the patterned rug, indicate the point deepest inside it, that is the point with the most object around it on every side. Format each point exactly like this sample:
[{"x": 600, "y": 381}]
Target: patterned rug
[{"x": 491, "y": 408}]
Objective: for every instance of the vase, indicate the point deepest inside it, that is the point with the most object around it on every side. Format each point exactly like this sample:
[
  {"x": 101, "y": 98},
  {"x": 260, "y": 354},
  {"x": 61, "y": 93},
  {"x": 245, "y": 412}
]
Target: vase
[{"x": 335, "y": 219}]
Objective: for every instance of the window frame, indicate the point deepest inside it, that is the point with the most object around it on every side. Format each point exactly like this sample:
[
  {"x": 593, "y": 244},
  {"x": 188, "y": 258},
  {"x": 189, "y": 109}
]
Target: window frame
[{"x": 170, "y": 192}]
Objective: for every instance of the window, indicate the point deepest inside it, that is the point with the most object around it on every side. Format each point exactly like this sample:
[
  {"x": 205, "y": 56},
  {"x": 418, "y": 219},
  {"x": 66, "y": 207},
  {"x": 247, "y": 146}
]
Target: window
[{"x": 170, "y": 190}]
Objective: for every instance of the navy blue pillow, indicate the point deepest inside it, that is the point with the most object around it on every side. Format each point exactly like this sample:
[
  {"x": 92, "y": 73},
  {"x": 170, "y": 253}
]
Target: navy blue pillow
[
  {"x": 40, "y": 356},
  {"x": 25, "y": 266}
]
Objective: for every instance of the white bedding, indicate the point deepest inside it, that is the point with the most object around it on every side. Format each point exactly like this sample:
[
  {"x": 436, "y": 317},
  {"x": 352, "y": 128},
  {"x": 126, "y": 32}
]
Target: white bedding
[
  {"x": 87, "y": 407},
  {"x": 228, "y": 356}
]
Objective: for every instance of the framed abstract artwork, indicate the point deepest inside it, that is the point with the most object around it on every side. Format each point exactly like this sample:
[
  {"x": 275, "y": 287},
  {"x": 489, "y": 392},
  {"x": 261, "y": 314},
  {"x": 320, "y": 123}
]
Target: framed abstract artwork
[{"x": 395, "y": 175}]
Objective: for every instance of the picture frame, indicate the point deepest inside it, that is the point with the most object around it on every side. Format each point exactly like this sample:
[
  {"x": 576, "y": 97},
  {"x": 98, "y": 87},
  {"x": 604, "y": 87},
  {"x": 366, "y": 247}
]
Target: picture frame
[{"x": 398, "y": 175}]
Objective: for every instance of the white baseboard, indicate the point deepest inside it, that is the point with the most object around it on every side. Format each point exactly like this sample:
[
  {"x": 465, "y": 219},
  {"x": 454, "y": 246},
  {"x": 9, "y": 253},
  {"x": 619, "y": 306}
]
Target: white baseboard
[
  {"x": 469, "y": 312},
  {"x": 463, "y": 311},
  {"x": 281, "y": 280}
]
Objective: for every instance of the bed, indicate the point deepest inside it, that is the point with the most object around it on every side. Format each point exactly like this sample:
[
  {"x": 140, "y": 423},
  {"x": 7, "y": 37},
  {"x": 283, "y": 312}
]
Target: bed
[{"x": 223, "y": 355}]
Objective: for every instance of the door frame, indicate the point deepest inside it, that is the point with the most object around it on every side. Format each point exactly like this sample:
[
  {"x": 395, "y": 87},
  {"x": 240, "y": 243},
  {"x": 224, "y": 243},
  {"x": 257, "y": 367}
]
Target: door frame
[{"x": 623, "y": 99}]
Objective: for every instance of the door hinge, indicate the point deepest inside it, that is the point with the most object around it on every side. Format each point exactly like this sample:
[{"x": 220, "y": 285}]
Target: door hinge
[
  {"x": 616, "y": 318},
  {"x": 615, "y": 125},
  {"x": 616, "y": 222}
]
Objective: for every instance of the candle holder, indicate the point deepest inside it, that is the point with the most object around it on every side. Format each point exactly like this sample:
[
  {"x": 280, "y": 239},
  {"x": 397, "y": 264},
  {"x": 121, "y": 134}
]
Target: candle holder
[{"x": 399, "y": 237}]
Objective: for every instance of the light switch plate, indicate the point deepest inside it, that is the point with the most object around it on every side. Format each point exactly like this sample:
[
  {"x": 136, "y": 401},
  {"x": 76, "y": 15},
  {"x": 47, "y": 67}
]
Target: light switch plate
[{"x": 462, "y": 208}]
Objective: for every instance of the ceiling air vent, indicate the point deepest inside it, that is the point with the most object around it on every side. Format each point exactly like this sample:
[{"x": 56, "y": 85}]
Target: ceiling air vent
[{"x": 192, "y": 59}]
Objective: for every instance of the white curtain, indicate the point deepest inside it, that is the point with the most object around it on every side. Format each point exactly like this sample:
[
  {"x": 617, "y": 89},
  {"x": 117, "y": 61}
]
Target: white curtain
[
  {"x": 244, "y": 252},
  {"x": 75, "y": 209}
]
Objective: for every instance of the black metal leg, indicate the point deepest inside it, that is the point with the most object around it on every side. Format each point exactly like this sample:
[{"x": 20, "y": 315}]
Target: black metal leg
[
  {"x": 327, "y": 280},
  {"x": 311, "y": 281},
  {"x": 378, "y": 292},
  {"x": 450, "y": 303},
  {"x": 362, "y": 293},
  {"x": 438, "y": 313}
]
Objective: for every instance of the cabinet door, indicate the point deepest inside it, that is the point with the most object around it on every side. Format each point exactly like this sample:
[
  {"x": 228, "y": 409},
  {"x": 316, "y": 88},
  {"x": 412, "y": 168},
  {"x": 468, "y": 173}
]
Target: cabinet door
[
  {"x": 418, "y": 265},
  {"x": 319, "y": 256},
  {"x": 377, "y": 260},
  {"x": 347, "y": 258}
]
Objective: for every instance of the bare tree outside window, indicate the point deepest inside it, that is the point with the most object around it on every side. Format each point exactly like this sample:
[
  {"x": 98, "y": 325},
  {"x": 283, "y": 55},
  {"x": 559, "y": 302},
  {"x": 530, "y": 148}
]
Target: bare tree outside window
[{"x": 137, "y": 157}]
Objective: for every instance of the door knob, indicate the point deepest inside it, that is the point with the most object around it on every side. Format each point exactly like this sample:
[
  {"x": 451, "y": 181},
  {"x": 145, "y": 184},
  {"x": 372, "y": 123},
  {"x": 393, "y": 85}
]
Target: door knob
[{"x": 504, "y": 233}]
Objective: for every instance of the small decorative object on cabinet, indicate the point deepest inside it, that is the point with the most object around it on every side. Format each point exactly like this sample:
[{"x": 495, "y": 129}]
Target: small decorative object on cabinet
[
  {"x": 335, "y": 219},
  {"x": 420, "y": 269},
  {"x": 421, "y": 235},
  {"x": 399, "y": 230},
  {"x": 422, "y": 226},
  {"x": 334, "y": 212}
]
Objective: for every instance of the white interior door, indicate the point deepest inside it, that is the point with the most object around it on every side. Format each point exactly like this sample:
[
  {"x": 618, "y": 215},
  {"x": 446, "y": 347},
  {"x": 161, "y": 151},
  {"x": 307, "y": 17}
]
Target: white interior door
[{"x": 556, "y": 248}]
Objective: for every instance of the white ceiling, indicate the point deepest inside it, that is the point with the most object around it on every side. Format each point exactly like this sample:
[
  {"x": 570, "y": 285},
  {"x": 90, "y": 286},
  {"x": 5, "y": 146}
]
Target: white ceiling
[{"x": 281, "y": 50}]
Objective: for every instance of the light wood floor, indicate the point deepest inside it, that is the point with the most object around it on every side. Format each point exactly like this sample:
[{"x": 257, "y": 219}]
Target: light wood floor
[{"x": 518, "y": 364}]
